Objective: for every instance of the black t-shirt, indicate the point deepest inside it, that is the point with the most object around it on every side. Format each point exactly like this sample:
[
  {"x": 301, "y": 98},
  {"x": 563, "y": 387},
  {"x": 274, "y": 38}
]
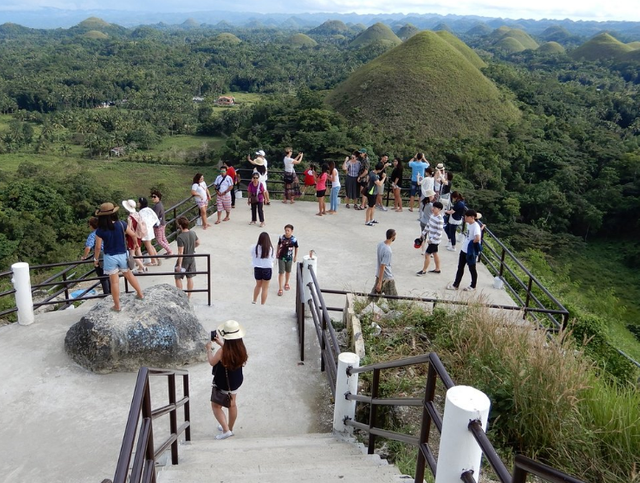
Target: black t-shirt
[
  {"x": 220, "y": 377},
  {"x": 397, "y": 174}
]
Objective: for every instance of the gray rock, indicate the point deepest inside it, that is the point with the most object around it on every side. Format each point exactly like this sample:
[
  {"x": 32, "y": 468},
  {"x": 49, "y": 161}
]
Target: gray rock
[{"x": 160, "y": 331}]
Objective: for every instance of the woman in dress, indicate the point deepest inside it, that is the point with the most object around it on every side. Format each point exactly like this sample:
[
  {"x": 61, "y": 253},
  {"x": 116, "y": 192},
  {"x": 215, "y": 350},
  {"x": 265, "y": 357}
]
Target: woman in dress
[
  {"x": 255, "y": 198},
  {"x": 110, "y": 237},
  {"x": 202, "y": 196},
  {"x": 290, "y": 178},
  {"x": 227, "y": 363},
  {"x": 334, "y": 176},
  {"x": 262, "y": 255},
  {"x": 396, "y": 184}
]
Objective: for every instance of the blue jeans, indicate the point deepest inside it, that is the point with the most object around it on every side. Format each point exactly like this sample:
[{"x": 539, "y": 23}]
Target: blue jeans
[{"x": 333, "y": 203}]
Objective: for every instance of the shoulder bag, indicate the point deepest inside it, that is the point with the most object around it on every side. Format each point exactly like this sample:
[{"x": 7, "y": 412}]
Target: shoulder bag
[{"x": 218, "y": 397}]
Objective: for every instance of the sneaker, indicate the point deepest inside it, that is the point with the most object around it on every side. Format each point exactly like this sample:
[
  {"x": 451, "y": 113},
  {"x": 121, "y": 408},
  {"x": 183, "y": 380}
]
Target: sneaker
[
  {"x": 369, "y": 223},
  {"x": 384, "y": 208},
  {"x": 220, "y": 427},
  {"x": 226, "y": 435},
  {"x": 469, "y": 289},
  {"x": 451, "y": 249},
  {"x": 451, "y": 286},
  {"x": 421, "y": 272},
  {"x": 374, "y": 221}
]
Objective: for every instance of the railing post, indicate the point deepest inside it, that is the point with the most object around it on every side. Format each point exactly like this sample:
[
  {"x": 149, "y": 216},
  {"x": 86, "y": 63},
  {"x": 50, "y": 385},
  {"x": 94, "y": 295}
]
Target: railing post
[
  {"x": 502, "y": 255},
  {"x": 187, "y": 406},
  {"x": 24, "y": 301},
  {"x": 528, "y": 297},
  {"x": 459, "y": 451},
  {"x": 309, "y": 262},
  {"x": 209, "y": 278},
  {"x": 66, "y": 286},
  {"x": 173, "y": 417},
  {"x": 344, "y": 408},
  {"x": 374, "y": 409}
]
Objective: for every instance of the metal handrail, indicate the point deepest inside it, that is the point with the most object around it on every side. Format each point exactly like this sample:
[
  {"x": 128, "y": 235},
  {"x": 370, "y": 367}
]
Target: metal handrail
[{"x": 143, "y": 466}]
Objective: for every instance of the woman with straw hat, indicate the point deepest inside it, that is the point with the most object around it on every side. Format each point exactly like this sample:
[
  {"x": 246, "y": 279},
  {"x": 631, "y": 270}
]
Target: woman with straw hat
[
  {"x": 227, "y": 363},
  {"x": 110, "y": 235}
]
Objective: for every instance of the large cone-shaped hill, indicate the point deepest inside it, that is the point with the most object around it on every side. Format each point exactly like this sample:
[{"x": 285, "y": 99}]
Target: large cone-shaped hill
[
  {"x": 302, "y": 40},
  {"x": 424, "y": 87},
  {"x": 551, "y": 48},
  {"x": 407, "y": 31},
  {"x": 378, "y": 32},
  {"x": 461, "y": 47},
  {"x": 330, "y": 27},
  {"x": 602, "y": 46}
]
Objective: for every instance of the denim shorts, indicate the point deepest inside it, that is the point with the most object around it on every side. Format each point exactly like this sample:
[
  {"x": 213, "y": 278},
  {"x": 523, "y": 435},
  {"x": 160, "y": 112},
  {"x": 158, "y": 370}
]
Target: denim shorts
[
  {"x": 414, "y": 188},
  {"x": 115, "y": 263}
]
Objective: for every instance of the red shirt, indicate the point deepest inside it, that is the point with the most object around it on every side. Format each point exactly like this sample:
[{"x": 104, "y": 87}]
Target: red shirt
[
  {"x": 309, "y": 177},
  {"x": 231, "y": 171}
]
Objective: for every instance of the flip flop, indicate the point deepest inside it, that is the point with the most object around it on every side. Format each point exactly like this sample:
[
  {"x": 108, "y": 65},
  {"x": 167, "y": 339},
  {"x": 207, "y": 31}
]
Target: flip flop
[
  {"x": 287, "y": 287},
  {"x": 280, "y": 292},
  {"x": 217, "y": 222}
]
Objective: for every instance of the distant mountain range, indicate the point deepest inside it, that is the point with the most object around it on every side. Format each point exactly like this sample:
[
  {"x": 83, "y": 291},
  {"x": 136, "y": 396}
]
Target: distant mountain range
[{"x": 50, "y": 18}]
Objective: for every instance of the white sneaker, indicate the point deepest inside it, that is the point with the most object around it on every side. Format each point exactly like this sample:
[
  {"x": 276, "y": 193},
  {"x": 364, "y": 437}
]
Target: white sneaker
[
  {"x": 451, "y": 286},
  {"x": 451, "y": 249},
  {"x": 469, "y": 289},
  {"x": 226, "y": 435},
  {"x": 220, "y": 427}
]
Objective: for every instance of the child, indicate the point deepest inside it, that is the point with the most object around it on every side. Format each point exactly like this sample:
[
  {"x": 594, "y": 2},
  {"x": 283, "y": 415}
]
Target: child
[
  {"x": 433, "y": 234},
  {"x": 286, "y": 254},
  {"x": 321, "y": 189},
  {"x": 309, "y": 178}
]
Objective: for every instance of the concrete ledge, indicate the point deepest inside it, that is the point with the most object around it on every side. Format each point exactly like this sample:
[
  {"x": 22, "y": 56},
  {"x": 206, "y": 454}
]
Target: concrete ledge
[{"x": 354, "y": 328}]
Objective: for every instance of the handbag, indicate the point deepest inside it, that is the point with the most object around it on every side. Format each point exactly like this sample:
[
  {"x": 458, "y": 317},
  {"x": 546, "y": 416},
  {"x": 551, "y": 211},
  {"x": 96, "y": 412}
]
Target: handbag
[{"x": 218, "y": 397}]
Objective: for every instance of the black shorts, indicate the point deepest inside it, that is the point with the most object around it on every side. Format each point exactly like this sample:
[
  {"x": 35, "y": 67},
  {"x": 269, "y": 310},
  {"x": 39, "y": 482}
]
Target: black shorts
[
  {"x": 371, "y": 200},
  {"x": 320, "y": 194},
  {"x": 262, "y": 273},
  {"x": 431, "y": 248}
]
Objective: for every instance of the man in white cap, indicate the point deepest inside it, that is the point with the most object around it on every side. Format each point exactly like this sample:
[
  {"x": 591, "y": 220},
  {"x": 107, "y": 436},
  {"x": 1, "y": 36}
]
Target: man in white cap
[{"x": 261, "y": 160}]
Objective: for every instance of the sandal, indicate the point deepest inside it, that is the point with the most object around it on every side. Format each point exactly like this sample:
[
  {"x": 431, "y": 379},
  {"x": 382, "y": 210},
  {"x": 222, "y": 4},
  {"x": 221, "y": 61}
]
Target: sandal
[
  {"x": 287, "y": 287},
  {"x": 280, "y": 292}
]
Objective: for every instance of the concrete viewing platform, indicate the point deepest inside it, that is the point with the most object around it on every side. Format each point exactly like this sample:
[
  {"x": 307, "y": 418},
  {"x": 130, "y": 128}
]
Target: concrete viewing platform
[{"x": 61, "y": 423}]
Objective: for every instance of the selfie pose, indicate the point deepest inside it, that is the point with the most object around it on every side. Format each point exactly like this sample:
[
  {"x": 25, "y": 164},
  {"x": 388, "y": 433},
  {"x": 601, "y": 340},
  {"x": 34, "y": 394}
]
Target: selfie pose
[{"x": 227, "y": 363}]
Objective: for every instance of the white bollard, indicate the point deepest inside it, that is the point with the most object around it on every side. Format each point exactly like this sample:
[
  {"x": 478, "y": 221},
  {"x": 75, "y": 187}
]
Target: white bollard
[
  {"x": 459, "y": 451},
  {"x": 24, "y": 301},
  {"x": 310, "y": 260},
  {"x": 345, "y": 384}
]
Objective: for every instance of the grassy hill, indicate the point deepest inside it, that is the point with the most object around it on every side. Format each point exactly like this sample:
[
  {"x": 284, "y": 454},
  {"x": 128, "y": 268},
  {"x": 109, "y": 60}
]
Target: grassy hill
[
  {"x": 461, "y": 47},
  {"x": 479, "y": 29},
  {"x": 440, "y": 93},
  {"x": 555, "y": 33},
  {"x": 95, "y": 34},
  {"x": 551, "y": 48},
  {"x": 302, "y": 40},
  {"x": 378, "y": 32},
  {"x": 330, "y": 27},
  {"x": 602, "y": 46},
  {"x": 227, "y": 38},
  {"x": 634, "y": 45},
  {"x": 522, "y": 37},
  {"x": 509, "y": 45},
  {"x": 407, "y": 31}
]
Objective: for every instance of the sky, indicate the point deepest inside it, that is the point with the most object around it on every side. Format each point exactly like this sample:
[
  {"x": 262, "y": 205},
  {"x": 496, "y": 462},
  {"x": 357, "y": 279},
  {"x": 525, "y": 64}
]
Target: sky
[{"x": 533, "y": 9}]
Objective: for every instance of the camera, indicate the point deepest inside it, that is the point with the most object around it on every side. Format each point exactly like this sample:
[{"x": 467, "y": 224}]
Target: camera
[{"x": 213, "y": 335}]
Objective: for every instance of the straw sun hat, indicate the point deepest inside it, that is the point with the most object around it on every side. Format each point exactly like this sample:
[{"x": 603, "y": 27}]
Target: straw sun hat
[{"x": 230, "y": 330}]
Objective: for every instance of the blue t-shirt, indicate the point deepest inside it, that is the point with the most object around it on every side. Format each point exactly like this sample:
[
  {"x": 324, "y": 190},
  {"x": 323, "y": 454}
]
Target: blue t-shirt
[
  {"x": 417, "y": 168},
  {"x": 113, "y": 240}
]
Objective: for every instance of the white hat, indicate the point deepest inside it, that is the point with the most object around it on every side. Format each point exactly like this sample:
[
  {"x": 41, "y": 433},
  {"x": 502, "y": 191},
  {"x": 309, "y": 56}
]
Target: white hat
[
  {"x": 230, "y": 330},
  {"x": 129, "y": 205},
  {"x": 260, "y": 152}
]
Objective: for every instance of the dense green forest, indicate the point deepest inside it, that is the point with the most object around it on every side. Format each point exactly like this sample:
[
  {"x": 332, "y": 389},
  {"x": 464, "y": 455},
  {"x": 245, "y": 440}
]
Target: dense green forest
[{"x": 556, "y": 172}]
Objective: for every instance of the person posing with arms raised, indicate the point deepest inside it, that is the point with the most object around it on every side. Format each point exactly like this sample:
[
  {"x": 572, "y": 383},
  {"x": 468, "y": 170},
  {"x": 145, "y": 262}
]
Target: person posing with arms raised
[
  {"x": 418, "y": 165},
  {"x": 110, "y": 235},
  {"x": 227, "y": 363}
]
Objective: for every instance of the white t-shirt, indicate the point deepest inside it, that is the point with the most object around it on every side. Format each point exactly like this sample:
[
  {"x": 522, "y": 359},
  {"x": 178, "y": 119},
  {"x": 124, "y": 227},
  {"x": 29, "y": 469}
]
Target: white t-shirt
[
  {"x": 225, "y": 183},
  {"x": 426, "y": 184},
  {"x": 262, "y": 262},
  {"x": 473, "y": 231},
  {"x": 201, "y": 190},
  {"x": 288, "y": 164},
  {"x": 150, "y": 219}
]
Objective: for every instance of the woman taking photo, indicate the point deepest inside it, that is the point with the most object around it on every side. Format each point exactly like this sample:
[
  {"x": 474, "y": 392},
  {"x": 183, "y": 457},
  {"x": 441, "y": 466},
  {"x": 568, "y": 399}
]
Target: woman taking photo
[
  {"x": 263, "y": 256},
  {"x": 202, "y": 196},
  {"x": 227, "y": 363},
  {"x": 290, "y": 178},
  {"x": 110, "y": 237},
  {"x": 255, "y": 198}
]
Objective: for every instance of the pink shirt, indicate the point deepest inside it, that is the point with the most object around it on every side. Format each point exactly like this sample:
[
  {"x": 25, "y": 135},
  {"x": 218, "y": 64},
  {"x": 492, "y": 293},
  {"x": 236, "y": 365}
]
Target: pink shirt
[{"x": 321, "y": 183}]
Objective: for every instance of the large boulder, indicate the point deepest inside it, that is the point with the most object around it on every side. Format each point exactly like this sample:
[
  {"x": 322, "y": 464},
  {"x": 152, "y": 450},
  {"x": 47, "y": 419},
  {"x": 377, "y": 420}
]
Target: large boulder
[{"x": 160, "y": 331}]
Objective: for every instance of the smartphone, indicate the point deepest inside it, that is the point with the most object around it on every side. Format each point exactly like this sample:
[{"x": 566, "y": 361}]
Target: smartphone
[{"x": 213, "y": 335}]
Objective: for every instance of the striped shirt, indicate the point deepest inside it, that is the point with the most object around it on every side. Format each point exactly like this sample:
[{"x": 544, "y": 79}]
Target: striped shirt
[
  {"x": 353, "y": 169},
  {"x": 433, "y": 230}
]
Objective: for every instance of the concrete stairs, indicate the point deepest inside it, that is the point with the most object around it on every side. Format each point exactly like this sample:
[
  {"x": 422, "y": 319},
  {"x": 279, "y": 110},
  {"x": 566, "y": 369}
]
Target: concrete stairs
[{"x": 287, "y": 459}]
